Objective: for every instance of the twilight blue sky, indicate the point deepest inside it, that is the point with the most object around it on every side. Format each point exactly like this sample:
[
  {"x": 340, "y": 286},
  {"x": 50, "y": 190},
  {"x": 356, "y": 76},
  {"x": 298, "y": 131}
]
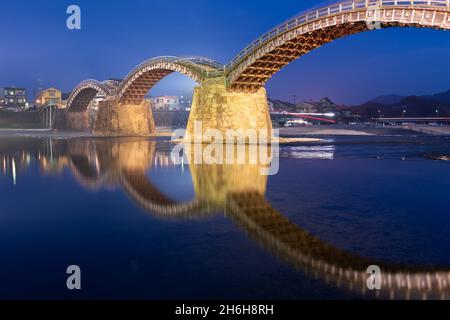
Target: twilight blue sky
[{"x": 118, "y": 35}]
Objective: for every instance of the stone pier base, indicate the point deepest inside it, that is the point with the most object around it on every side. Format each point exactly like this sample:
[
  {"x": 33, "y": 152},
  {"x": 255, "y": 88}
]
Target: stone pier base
[
  {"x": 215, "y": 107},
  {"x": 118, "y": 119},
  {"x": 77, "y": 121}
]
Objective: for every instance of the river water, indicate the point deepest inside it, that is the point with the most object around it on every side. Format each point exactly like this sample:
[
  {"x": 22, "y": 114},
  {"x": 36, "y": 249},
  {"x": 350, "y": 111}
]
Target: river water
[{"x": 141, "y": 226}]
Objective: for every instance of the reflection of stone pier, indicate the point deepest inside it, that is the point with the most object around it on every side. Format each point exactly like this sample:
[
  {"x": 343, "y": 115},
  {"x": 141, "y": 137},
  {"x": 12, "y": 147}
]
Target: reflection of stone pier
[{"x": 213, "y": 182}]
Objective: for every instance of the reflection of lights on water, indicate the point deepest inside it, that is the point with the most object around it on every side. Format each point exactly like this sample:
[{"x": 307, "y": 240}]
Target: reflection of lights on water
[
  {"x": 4, "y": 166},
  {"x": 97, "y": 165},
  {"x": 163, "y": 161},
  {"x": 309, "y": 152},
  {"x": 14, "y": 171}
]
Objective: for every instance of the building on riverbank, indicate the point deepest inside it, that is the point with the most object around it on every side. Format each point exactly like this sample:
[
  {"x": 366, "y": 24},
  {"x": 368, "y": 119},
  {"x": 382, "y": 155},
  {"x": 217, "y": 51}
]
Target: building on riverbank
[
  {"x": 170, "y": 103},
  {"x": 13, "y": 98},
  {"x": 167, "y": 103},
  {"x": 49, "y": 97}
]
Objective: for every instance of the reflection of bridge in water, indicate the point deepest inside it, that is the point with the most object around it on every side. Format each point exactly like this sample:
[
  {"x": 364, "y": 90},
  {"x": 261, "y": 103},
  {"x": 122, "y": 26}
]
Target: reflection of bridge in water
[{"x": 238, "y": 190}]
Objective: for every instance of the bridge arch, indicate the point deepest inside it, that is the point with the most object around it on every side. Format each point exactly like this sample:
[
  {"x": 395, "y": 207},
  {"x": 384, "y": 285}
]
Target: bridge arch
[
  {"x": 85, "y": 92},
  {"x": 142, "y": 78},
  {"x": 267, "y": 55}
]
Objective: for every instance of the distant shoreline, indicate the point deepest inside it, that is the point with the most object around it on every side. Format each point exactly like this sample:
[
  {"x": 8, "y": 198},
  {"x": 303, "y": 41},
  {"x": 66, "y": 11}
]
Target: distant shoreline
[
  {"x": 287, "y": 132},
  {"x": 355, "y": 130}
]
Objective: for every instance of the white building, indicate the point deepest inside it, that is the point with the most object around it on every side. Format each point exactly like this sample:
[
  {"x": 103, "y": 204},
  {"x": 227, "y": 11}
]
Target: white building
[{"x": 167, "y": 103}]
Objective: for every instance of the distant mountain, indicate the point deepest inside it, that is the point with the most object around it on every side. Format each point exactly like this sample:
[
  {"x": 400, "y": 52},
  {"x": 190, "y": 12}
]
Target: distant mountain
[
  {"x": 443, "y": 97},
  {"x": 391, "y": 105},
  {"x": 387, "y": 99},
  {"x": 412, "y": 106}
]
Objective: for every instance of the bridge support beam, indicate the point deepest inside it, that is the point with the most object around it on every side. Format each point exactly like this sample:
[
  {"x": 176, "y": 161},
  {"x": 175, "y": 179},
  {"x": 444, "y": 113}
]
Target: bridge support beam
[
  {"x": 216, "y": 107},
  {"x": 120, "y": 119},
  {"x": 78, "y": 121}
]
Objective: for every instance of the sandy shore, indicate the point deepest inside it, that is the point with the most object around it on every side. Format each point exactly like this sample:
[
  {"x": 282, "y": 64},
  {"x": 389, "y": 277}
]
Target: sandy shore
[{"x": 345, "y": 130}]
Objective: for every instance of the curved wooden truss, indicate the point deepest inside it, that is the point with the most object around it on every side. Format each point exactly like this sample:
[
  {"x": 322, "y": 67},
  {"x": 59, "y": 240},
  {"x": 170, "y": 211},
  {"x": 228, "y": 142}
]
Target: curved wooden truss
[
  {"x": 259, "y": 61},
  {"x": 139, "y": 81},
  {"x": 86, "y": 91}
]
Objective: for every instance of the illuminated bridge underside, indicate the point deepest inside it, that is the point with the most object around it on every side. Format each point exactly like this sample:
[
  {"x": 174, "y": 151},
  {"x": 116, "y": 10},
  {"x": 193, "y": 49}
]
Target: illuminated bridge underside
[
  {"x": 82, "y": 95},
  {"x": 137, "y": 84},
  {"x": 251, "y": 70}
]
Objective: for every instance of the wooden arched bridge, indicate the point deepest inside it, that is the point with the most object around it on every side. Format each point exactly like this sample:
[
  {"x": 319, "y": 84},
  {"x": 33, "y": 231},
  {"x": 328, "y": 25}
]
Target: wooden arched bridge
[{"x": 232, "y": 96}]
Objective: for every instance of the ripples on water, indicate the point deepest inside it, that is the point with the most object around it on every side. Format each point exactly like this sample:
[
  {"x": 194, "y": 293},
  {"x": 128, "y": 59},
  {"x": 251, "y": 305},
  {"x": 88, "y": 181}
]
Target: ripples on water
[
  {"x": 140, "y": 226},
  {"x": 401, "y": 147}
]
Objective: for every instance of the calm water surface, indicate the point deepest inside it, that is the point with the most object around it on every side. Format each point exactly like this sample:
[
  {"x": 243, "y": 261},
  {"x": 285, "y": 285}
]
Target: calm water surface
[{"x": 141, "y": 226}]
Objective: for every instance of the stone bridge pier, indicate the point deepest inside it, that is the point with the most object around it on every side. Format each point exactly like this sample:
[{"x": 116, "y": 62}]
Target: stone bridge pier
[
  {"x": 78, "y": 121},
  {"x": 115, "y": 118},
  {"x": 217, "y": 107},
  {"x": 214, "y": 106}
]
